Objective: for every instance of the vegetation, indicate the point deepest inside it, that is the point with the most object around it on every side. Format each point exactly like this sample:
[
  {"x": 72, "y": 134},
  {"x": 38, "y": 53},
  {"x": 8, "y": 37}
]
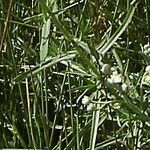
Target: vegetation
[{"x": 75, "y": 74}]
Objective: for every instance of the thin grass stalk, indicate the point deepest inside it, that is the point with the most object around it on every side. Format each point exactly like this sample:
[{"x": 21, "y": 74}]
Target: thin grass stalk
[
  {"x": 66, "y": 136},
  {"x": 71, "y": 109},
  {"x": 81, "y": 17},
  {"x": 19, "y": 85},
  {"x": 43, "y": 54},
  {"x": 5, "y": 29},
  {"x": 147, "y": 18},
  {"x": 95, "y": 124},
  {"x": 77, "y": 130},
  {"x": 127, "y": 30},
  {"x": 30, "y": 113},
  {"x": 20, "y": 23},
  {"x": 46, "y": 96},
  {"x": 13, "y": 124},
  {"x": 35, "y": 112},
  {"x": 57, "y": 109},
  {"x": 138, "y": 136},
  {"x": 42, "y": 113},
  {"x": 114, "y": 17},
  {"x": 42, "y": 93}
]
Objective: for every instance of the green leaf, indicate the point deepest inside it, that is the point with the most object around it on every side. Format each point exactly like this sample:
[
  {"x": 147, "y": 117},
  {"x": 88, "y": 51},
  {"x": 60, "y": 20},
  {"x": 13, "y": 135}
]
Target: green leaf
[
  {"x": 89, "y": 63},
  {"x": 49, "y": 62},
  {"x": 45, "y": 39},
  {"x": 82, "y": 132},
  {"x": 119, "y": 31}
]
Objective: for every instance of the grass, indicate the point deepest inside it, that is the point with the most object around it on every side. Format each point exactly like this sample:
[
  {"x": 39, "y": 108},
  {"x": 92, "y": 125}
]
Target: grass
[{"x": 74, "y": 75}]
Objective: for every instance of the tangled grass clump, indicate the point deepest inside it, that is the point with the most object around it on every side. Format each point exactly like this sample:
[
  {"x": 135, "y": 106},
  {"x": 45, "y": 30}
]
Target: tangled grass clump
[{"x": 74, "y": 74}]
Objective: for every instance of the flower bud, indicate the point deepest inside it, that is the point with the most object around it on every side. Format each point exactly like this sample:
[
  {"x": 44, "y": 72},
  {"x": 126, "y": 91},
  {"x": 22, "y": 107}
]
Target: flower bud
[
  {"x": 106, "y": 69},
  {"x": 147, "y": 69},
  {"x": 124, "y": 87},
  {"x": 146, "y": 49},
  {"x": 115, "y": 79},
  {"x": 90, "y": 107},
  {"x": 85, "y": 100},
  {"x": 146, "y": 80}
]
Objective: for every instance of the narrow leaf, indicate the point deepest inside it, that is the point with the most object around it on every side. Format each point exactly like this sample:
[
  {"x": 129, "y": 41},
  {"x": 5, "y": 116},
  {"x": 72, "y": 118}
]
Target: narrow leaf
[
  {"x": 40, "y": 67},
  {"x": 119, "y": 31}
]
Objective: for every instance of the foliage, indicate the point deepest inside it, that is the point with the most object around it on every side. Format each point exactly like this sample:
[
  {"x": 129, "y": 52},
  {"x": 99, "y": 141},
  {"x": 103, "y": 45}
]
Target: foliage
[{"x": 74, "y": 74}]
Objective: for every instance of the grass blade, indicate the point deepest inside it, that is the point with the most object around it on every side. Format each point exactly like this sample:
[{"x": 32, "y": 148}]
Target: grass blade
[{"x": 119, "y": 31}]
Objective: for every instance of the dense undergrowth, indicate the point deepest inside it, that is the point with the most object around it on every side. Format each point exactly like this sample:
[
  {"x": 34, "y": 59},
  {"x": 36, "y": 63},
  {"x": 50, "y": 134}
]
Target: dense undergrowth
[{"x": 75, "y": 74}]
